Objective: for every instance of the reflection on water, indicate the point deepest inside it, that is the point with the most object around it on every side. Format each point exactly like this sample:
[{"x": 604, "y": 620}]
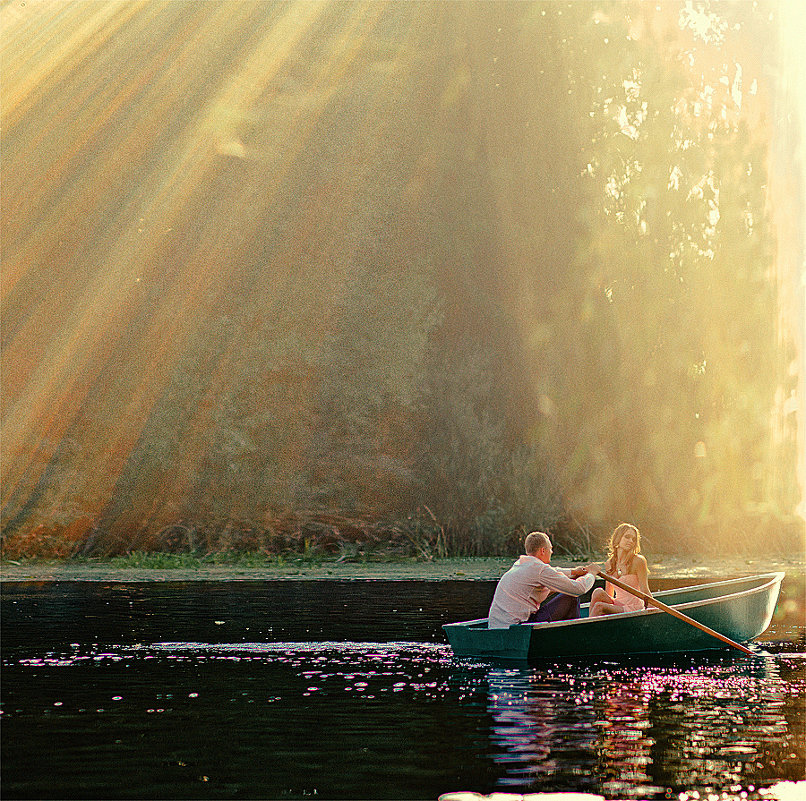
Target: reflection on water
[
  {"x": 639, "y": 731},
  {"x": 541, "y": 724},
  {"x": 624, "y": 745},
  {"x": 97, "y": 717}
]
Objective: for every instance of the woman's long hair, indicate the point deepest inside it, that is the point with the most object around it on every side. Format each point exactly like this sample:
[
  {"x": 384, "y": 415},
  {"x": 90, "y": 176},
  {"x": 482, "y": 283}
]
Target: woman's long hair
[{"x": 615, "y": 538}]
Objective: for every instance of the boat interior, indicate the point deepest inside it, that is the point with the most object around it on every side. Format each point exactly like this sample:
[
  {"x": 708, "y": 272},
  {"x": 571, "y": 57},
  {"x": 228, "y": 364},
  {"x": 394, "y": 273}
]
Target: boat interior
[{"x": 688, "y": 594}]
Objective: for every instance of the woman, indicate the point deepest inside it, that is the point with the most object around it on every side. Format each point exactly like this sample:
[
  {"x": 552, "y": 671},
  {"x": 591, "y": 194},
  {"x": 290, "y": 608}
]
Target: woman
[{"x": 626, "y": 563}]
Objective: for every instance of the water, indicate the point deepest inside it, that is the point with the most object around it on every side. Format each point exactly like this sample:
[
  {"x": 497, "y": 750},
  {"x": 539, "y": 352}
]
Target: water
[{"x": 328, "y": 689}]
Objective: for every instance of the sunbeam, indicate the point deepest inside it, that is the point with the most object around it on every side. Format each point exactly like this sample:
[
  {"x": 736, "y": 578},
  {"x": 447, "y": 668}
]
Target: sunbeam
[{"x": 514, "y": 264}]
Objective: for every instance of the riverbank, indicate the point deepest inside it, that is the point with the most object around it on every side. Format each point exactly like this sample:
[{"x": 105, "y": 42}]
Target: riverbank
[{"x": 472, "y": 568}]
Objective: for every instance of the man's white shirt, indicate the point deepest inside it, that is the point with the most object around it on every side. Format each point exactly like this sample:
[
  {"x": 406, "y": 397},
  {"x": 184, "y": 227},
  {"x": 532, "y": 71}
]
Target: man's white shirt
[{"x": 526, "y": 585}]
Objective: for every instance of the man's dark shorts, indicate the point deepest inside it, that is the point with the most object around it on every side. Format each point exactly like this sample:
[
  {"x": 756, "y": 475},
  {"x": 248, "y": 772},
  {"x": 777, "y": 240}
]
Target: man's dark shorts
[{"x": 558, "y": 607}]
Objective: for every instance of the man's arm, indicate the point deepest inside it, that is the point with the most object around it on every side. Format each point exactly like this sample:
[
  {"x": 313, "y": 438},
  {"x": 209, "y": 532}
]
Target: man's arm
[
  {"x": 576, "y": 572},
  {"x": 572, "y": 572},
  {"x": 558, "y": 579}
]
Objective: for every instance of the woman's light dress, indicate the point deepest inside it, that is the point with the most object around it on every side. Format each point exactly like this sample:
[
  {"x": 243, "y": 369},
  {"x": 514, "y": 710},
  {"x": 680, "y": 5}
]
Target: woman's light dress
[{"x": 624, "y": 599}]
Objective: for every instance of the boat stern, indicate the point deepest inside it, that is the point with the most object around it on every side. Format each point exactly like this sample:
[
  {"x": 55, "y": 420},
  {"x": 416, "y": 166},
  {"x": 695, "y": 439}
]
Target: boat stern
[{"x": 474, "y": 639}]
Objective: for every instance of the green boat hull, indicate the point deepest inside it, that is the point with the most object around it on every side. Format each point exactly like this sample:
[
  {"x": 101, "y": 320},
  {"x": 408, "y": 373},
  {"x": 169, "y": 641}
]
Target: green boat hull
[{"x": 740, "y": 609}]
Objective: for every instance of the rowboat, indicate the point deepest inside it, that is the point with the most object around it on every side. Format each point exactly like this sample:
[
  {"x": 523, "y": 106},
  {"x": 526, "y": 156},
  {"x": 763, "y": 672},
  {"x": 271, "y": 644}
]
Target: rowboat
[{"x": 739, "y": 608}]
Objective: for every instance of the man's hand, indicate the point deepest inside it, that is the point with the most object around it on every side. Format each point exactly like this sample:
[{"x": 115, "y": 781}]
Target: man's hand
[
  {"x": 593, "y": 568},
  {"x": 576, "y": 572}
]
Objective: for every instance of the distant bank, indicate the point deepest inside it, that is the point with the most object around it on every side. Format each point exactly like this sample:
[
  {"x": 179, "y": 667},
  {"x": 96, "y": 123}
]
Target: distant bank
[{"x": 475, "y": 568}]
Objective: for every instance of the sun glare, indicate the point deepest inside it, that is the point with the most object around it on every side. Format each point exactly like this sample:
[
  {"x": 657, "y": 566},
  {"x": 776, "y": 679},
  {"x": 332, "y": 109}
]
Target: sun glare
[
  {"x": 791, "y": 120},
  {"x": 241, "y": 241}
]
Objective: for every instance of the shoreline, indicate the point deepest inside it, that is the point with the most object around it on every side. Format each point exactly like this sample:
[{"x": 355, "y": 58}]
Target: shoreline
[{"x": 457, "y": 569}]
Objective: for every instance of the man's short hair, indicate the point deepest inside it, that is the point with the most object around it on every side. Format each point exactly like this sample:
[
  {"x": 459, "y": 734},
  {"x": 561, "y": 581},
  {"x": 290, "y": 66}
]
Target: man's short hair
[{"x": 535, "y": 541}]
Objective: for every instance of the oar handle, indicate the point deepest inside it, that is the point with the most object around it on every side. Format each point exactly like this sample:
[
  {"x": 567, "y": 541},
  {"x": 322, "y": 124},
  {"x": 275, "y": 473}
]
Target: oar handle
[{"x": 674, "y": 612}]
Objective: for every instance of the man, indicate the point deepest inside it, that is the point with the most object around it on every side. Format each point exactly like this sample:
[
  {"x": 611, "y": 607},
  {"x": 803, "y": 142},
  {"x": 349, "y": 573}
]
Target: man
[{"x": 520, "y": 596}]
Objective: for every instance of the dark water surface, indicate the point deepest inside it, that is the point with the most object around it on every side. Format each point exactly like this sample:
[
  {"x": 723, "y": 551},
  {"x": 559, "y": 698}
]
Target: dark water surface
[{"x": 346, "y": 689}]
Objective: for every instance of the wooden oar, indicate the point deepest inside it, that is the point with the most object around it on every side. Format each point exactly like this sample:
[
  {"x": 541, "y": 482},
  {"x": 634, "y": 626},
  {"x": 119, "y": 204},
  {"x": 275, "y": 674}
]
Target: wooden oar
[{"x": 669, "y": 610}]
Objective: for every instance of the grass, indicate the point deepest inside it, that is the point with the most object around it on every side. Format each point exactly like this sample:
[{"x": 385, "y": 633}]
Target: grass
[
  {"x": 168, "y": 561},
  {"x": 160, "y": 560}
]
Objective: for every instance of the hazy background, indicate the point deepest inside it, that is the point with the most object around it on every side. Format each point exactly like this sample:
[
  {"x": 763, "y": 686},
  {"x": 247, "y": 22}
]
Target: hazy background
[{"x": 298, "y": 274}]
